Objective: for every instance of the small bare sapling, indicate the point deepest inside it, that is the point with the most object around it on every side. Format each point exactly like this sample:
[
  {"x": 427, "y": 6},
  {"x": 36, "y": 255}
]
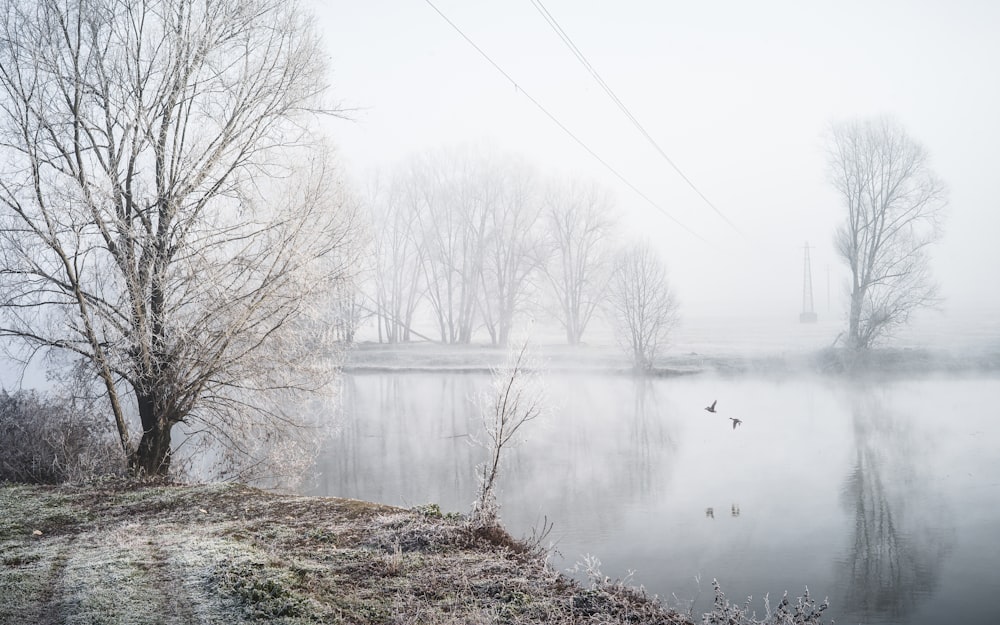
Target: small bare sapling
[{"x": 514, "y": 398}]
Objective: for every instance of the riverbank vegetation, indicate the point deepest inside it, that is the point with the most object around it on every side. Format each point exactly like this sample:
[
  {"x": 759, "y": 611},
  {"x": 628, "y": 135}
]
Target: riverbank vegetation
[{"x": 128, "y": 552}]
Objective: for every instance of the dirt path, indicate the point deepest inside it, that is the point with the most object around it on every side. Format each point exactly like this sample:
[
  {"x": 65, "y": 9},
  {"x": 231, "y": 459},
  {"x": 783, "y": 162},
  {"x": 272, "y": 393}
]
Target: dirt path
[
  {"x": 49, "y": 599},
  {"x": 61, "y": 567}
]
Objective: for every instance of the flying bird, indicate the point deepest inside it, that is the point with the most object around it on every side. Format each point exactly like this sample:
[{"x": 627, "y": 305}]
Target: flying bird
[
  {"x": 735, "y": 421},
  {"x": 712, "y": 407}
]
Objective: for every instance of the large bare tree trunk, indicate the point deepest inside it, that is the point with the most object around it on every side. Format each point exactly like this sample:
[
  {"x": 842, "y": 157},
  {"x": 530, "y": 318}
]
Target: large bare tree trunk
[
  {"x": 152, "y": 457},
  {"x": 854, "y": 320}
]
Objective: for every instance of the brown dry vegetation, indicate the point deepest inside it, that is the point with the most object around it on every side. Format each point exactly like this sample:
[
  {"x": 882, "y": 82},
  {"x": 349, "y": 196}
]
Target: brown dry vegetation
[{"x": 125, "y": 553}]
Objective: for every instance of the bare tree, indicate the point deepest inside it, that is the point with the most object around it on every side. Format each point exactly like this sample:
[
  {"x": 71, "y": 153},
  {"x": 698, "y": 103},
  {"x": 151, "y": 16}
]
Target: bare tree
[
  {"x": 579, "y": 219},
  {"x": 515, "y": 249},
  {"x": 398, "y": 254},
  {"x": 457, "y": 197},
  {"x": 641, "y": 304},
  {"x": 458, "y": 229},
  {"x": 164, "y": 214},
  {"x": 894, "y": 207},
  {"x": 348, "y": 309}
]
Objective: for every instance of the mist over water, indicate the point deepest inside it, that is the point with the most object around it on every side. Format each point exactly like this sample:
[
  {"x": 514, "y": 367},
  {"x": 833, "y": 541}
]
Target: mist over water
[
  {"x": 882, "y": 494},
  {"x": 880, "y": 491}
]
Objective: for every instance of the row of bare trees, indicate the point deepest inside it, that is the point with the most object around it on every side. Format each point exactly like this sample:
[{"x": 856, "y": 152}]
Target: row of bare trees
[{"x": 480, "y": 239}]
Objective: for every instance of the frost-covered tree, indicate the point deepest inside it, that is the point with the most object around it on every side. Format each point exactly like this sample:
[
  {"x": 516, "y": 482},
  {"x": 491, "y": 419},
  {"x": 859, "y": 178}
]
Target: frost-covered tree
[
  {"x": 166, "y": 216},
  {"x": 894, "y": 206},
  {"x": 516, "y": 397}
]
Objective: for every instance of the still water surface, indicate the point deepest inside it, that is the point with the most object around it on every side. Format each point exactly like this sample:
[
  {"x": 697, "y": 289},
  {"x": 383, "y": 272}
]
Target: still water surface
[{"x": 884, "y": 496}]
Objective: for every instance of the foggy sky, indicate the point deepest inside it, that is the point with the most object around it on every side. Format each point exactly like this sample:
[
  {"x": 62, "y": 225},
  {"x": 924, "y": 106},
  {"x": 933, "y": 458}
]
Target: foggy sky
[{"x": 737, "y": 94}]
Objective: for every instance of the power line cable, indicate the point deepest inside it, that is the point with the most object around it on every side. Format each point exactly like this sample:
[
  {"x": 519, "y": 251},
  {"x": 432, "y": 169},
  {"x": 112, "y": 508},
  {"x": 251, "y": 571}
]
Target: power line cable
[
  {"x": 563, "y": 127},
  {"x": 621, "y": 105}
]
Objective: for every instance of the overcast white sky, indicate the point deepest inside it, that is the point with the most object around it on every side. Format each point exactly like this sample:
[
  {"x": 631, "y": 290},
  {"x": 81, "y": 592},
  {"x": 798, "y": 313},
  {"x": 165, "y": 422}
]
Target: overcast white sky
[{"x": 738, "y": 94}]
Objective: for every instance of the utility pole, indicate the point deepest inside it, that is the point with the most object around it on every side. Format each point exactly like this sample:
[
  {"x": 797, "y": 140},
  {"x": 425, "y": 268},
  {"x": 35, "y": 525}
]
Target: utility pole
[{"x": 808, "y": 314}]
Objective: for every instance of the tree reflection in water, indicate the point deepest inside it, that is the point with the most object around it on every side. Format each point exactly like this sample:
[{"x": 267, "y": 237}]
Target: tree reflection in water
[
  {"x": 404, "y": 440},
  {"x": 612, "y": 436},
  {"x": 650, "y": 438},
  {"x": 900, "y": 535}
]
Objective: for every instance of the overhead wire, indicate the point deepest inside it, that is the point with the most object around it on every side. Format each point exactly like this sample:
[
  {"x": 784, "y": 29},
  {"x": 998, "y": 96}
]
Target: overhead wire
[
  {"x": 563, "y": 127},
  {"x": 551, "y": 20}
]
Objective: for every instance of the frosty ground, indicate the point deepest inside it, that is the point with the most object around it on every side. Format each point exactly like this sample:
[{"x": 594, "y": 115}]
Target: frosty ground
[{"x": 116, "y": 552}]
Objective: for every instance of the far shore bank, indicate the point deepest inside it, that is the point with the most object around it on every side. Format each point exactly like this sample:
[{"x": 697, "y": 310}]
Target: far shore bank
[{"x": 428, "y": 357}]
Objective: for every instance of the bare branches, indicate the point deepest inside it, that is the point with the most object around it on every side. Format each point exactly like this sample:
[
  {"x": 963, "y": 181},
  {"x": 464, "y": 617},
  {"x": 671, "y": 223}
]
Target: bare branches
[
  {"x": 459, "y": 231},
  {"x": 894, "y": 208},
  {"x": 458, "y": 201},
  {"x": 165, "y": 209},
  {"x": 477, "y": 238},
  {"x": 642, "y": 304},
  {"x": 515, "y": 398},
  {"x": 515, "y": 250},
  {"x": 579, "y": 220},
  {"x": 398, "y": 254}
]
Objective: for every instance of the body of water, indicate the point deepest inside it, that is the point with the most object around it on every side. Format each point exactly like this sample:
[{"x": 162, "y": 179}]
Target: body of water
[{"x": 883, "y": 495}]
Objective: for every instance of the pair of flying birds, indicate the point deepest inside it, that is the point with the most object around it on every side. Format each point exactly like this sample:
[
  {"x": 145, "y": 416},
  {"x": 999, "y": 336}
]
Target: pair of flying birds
[{"x": 712, "y": 410}]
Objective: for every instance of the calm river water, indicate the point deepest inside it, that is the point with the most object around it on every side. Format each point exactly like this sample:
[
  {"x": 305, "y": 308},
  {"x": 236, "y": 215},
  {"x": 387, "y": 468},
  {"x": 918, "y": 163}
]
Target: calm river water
[{"x": 884, "y": 496}]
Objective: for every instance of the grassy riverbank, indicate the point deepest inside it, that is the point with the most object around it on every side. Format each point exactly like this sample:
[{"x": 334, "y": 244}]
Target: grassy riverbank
[{"x": 120, "y": 553}]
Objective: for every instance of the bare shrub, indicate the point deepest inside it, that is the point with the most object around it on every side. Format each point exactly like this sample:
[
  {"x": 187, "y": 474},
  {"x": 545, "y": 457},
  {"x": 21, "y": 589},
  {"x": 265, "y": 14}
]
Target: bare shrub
[
  {"x": 804, "y": 611},
  {"x": 45, "y": 440}
]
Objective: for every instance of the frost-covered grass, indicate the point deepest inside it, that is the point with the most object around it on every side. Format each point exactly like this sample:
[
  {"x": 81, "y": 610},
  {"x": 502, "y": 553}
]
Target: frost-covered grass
[
  {"x": 120, "y": 553},
  {"x": 230, "y": 554}
]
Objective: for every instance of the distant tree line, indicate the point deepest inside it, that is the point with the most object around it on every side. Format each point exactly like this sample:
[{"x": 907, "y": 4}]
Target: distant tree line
[{"x": 477, "y": 239}]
